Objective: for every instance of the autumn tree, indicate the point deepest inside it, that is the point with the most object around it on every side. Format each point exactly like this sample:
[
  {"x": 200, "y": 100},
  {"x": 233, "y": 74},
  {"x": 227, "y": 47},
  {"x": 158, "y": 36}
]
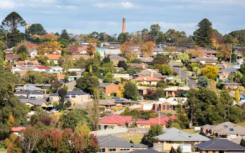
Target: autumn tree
[
  {"x": 147, "y": 48},
  {"x": 210, "y": 71},
  {"x": 171, "y": 52},
  {"x": 30, "y": 139},
  {"x": 224, "y": 51},
  {"x": 127, "y": 47},
  {"x": 91, "y": 50},
  {"x": 11, "y": 120},
  {"x": 237, "y": 97},
  {"x": 49, "y": 48},
  {"x": 94, "y": 112},
  {"x": 185, "y": 58},
  {"x": 121, "y": 89},
  {"x": 48, "y": 37},
  {"x": 196, "y": 52}
]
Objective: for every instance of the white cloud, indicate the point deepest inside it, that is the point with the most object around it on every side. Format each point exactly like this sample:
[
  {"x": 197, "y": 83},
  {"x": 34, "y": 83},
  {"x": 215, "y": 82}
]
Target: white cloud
[
  {"x": 229, "y": 2},
  {"x": 7, "y": 4},
  {"x": 125, "y": 5}
]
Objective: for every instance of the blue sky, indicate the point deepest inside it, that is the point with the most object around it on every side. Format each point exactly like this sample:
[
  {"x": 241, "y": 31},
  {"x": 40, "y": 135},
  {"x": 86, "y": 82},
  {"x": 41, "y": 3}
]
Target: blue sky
[{"x": 86, "y": 16}]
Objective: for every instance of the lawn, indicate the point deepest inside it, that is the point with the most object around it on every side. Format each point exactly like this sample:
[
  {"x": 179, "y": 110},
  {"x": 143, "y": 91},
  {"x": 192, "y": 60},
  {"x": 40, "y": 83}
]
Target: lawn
[
  {"x": 135, "y": 137},
  {"x": 166, "y": 112}
]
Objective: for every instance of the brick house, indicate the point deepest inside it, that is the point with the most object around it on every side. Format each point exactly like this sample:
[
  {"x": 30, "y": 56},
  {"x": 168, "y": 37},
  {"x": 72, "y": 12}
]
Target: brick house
[
  {"x": 173, "y": 91},
  {"x": 162, "y": 120},
  {"x": 147, "y": 81},
  {"x": 109, "y": 88},
  {"x": 115, "y": 120}
]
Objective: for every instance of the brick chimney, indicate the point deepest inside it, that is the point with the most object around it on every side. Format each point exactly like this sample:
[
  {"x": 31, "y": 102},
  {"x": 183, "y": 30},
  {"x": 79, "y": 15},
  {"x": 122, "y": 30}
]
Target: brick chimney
[{"x": 124, "y": 26}]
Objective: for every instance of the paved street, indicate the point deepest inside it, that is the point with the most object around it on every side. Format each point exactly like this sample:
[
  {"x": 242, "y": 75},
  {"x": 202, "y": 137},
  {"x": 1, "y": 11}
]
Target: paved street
[{"x": 183, "y": 75}]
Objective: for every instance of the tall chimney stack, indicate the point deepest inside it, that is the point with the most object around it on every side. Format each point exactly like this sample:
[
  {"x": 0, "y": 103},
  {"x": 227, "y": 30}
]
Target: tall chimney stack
[{"x": 124, "y": 26}]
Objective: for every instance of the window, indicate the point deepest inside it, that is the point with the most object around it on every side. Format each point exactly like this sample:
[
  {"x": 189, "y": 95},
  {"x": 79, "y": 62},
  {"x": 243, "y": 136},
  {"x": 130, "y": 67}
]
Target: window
[
  {"x": 167, "y": 107},
  {"x": 164, "y": 107},
  {"x": 206, "y": 151},
  {"x": 213, "y": 151},
  {"x": 73, "y": 96},
  {"x": 112, "y": 149},
  {"x": 102, "y": 150},
  {"x": 67, "y": 96}
]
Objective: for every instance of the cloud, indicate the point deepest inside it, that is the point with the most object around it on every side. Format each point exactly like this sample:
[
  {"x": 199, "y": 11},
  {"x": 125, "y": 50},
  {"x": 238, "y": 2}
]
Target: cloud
[
  {"x": 229, "y": 2},
  {"x": 7, "y": 4},
  {"x": 125, "y": 5}
]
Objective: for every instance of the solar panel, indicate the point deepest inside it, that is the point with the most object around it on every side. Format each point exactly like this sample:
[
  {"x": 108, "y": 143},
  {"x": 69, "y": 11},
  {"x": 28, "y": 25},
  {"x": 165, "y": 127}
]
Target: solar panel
[
  {"x": 225, "y": 125},
  {"x": 231, "y": 129}
]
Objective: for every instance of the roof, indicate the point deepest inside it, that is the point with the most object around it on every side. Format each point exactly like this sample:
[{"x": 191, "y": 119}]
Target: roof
[
  {"x": 146, "y": 59},
  {"x": 230, "y": 82},
  {"x": 44, "y": 67},
  {"x": 149, "y": 72},
  {"x": 27, "y": 92},
  {"x": 155, "y": 121},
  {"x": 229, "y": 70},
  {"x": 120, "y": 100},
  {"x": 79, "y": 106},
  {"x": 220, "y": 145},
  {"x": 106, "y": 103},
  {"x": 146, "y": 151},
  {"x": 174, "y": 134},
  {"x": 36, "y": 102},
  {"x": 207, "y": 60},
  {"x": 141, "y": 79},
  {"x": 117, "y": 58},
  {"x": 76, "y": 57},
  {"x": 177, "y": 88},
  {"x": 17, "y": 129},
  {"x": 28, "y": 87},
  {"x": 116, "y": 119},
  {"x": 60, "y": 76},
  {"x": 53, "y": 57},
  {"x": 11, "y": 56}
]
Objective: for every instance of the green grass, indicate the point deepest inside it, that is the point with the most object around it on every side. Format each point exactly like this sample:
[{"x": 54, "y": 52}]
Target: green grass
[{"x": 172, "y": 112}]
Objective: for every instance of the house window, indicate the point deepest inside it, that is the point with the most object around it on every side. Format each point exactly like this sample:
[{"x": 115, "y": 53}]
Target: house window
[
  {"x": 112, "y": 149},
  {"x": 206, "y": 151},
  {"x": 167, "y": 107},
  {"x": 67, "y": 96},
  {"x": 213, "y": 151},
  {"x": 124, "y": 149},
  {"x": 73, "y": 96},
  {"x": 102, "y": 150},
  {"x": 164, "y": 107}
]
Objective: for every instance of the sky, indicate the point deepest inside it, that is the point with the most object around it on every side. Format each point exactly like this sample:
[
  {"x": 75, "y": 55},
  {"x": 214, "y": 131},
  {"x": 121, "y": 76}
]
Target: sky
[{"x": 86, "y": 16}]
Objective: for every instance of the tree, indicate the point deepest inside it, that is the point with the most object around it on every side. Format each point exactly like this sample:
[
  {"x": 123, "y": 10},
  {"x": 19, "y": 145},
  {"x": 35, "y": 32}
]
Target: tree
[
  {"x": 14, "y": 38},
  {"x": 91, "y": 50},
  {"x": 49, "y": 37},
  {"x": 127, "y": 47},
  {"x": 160, "y": 59},
  {"x": 210, "y": 72},
  {"x": 204, "y": 33},
  {"x": 152, "y": 94},
  {"x": 36, "y": 29},
  {"x": 155, "y": 130},
  {"x": 80, "y": 63},
  {"x": 30, "y": 139},
  {"x": 121, "y": 89},
  {"x": 108, "y": 78},
  {"x": 22, "y": 49},
  {"x": 82, "y": 128},
  {"x": 87, "y": 83},
  {"x": 62, "y": 94},
  {"x": 164, "y": 69},
  {"x": 224, "y": 51},
  {"x": 72, "y": 118},
  {"x": 147, "y": 48},
  {"x": 202, "y": 82},
  {"x": 64, "y": 35},
  {"x": 66, "y": 62},
  {"x": 11, "y": 120},
  {"x": 123, "y": 65},
  {"x": 49, "y": 48},
  {"x": 123, "y": 37},
  {"x": 237, "y": 97},
  {"x": 185, "y": 58},
  {"x": 155, "y": 30},
  {"x": 94, "y": 113},
  {"x": 131, "y": 91},
  {"x": 13, "y": 21}
]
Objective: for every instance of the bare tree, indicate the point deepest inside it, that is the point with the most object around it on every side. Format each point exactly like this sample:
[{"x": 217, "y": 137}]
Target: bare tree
[{"x": 30, "y": 139}]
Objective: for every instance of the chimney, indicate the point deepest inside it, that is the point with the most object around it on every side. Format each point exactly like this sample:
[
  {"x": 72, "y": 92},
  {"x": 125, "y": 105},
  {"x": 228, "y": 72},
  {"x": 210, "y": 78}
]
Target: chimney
[{"x": 124, "y": 26}]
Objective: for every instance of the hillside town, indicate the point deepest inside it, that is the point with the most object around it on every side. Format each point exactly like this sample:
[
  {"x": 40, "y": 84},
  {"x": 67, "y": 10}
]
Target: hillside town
[{"x": 144, "y": 92}]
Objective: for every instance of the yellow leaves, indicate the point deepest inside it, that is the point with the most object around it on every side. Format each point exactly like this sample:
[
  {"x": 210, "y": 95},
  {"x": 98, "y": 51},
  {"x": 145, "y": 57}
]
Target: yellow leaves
[
  {"x": 171, "y": 51},
  {"x": 237, "y": 96},
  {"x": 224, "y": 51},
  {"x": 121, "y": 89},
  {"x": 91, "y": 49},
  {"x": 215, "y": 44},
  {"x": 11, "y": 120},
  {"x": 197, "y": 52},
  {"x": 49, "y": 48},
  {"x": 92, "y": 40},
  {"x": 127, "y": 47},
  {"x": 147, "y": 48},
  {"x": 210, "y": 71},
  {"x": 50, "y": 36}
]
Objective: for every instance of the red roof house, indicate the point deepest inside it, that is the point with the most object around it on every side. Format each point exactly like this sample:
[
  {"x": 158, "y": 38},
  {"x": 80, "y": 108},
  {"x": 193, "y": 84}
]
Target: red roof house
[
  {"x": 147, "y": 80},
  {"x": 155, "y": 121},
  {"x": 17, "y": 129},
  {"x": 115, "y": 120}
]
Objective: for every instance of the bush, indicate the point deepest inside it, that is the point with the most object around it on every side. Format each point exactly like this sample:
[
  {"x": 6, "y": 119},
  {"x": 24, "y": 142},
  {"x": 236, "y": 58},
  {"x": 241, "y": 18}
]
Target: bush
[{"x": 136, "y": 61}]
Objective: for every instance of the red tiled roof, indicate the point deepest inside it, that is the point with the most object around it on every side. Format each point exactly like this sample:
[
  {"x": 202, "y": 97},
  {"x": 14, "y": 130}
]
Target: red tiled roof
[
  {"x": 11, "y": 56},
  {"x": 116, "y": 119},
  {"x": 17, "y": 129},
  {"x": 155, "y": 121},
  {"x": 147, "y": 79},
  {"x": 76, "y": 49},
  {"x": 76, "y": 57},
  {"x": 44, "y": 67}
]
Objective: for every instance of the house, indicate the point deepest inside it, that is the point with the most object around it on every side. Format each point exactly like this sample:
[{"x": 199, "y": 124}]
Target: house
[
  {"x": 17, "y": 130},
  {"x": 83, "y": 106},
  {"x": 209, "y": 53},
  {"x": 169, "y": 104},
  {"x": 107, "y": 104},
  {"x": 174, "y": 137},
  {"x": 52, "y": 57},
  {"x": 11, "y": 57},
  {"x": 124, "y": 76},
  {"x": 224, "y": 130},
  {"x": 150, "y": 73},
  {"x": 77, "y": 57},
  {"x": 146, "y": 60},
  {"x": 147, "y": 81},
  {"x": 176, "y": 91},
  {"x": 109, "y": 88},
  {"x": 43, "y": 69},
  {"x": 146, "y": 151},
  {"x": 75, "y": 97},
  {"x": 122, "y": 101},
  {"x": 116, "y": 59},
  {"x": 143, "y": 90},
  {"x": 115, "y": 120},
  {"x": 219, "y": 146},
  {"x": 204, "y": 61},
  {"x": 138, "y": 65},
  {"x": 101, "y": 51},
  {"x": 112, "y": 49},
  {"x": 29, "y": 88},
  {"x": 56, "y": 69},
  {"x": 112, "y": 144},
  {"x": 231, "y": 84},
  {"x": 76, "y": 49},
  {"x": 224, "y": 73},
  {"x": 29, "y": 94},
  {"x": 162, "y": 120},
  {"x": 27, "y": 63},
  {"x": 61, "y": 77},
  {"x": 33, "y": 102}
]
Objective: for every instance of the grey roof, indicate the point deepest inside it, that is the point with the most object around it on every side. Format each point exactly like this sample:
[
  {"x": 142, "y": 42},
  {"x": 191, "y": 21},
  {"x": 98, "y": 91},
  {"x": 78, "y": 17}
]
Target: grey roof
[
  {"x": 174, "y": 134},
  {"x": 146, "y": 59},
  {"x": 221, "y": 145},
  {"x": 117, "y": 58},
  {"x": 228, "y": 70},
  {"x": 148, "y": 72},
  {"x": 106, "y": 103},
  {"x": 113, "y": 141},
  {"x": 72, "y": 93},
  {"x": 22, "y": 97},
  {"x": 28, "y": 92},
  {"x": 146, "y": 151},
  {"x": 207, "y": 60},
  {"x": 37, "y": 102},
  {"x": 79, "y": 106},
  {"x": 29, "y": 87},
  {"x": 121, "y": 100}
]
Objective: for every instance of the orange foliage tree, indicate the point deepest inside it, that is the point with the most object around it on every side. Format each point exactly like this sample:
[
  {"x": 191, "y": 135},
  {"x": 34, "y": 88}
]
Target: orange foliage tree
[
  {"x": 49, "y": 48},
  {"x": 50, "y": 36},
  {"x": 27, "y": 45},
  {"x": 91, "y": 50},
  {"x": 197, "y": 52},
  {"x": 127, "y": 47},
  {"x": 224, "y": 51},
  {"x": 147, "y": 48}
]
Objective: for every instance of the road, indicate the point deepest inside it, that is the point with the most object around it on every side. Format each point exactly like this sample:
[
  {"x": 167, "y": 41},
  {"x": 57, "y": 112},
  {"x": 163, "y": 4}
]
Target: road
[{"x": 183, "y": 75}]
